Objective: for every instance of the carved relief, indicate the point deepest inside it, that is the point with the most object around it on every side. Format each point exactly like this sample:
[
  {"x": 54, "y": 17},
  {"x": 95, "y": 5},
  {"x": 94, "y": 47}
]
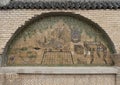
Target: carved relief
[
  {"x": 75, "y": 35},
  {"x": 79, "y": 49},
  {"x": 59, "y": 42}
]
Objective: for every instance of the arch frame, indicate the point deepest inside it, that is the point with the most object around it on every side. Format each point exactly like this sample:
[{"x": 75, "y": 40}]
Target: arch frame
[{"x": 49, "y": 14}]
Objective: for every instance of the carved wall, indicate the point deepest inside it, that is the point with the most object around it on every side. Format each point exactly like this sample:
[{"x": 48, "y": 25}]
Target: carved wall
[
  {"x": 11, "y": 20},
  {"x": 60, "y": 40}
]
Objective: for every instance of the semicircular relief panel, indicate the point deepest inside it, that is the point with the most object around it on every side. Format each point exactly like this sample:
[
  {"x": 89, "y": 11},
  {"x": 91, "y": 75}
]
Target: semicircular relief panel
[{"x": 59, "y": 41}]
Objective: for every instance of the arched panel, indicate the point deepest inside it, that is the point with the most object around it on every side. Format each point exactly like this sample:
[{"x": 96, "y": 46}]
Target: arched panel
[{"x": 59, "y": 39}]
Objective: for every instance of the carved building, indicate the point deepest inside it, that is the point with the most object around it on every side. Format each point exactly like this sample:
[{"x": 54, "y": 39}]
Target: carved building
[{"x": 54, "y": 42}]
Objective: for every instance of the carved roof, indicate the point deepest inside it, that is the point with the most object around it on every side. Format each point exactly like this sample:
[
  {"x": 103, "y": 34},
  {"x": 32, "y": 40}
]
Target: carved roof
[{"x": 61, "y": 4}]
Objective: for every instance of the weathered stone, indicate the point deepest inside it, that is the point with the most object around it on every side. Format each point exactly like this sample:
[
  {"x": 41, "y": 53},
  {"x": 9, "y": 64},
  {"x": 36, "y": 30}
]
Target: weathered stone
[
  {"x": 118, "y": 79},
  {"x": 2, "y": 76},
  {"x": 109, "y": 20},
  {"x": 116, "y": 59},
  {"x": 60, "y": 70},
  {"x": 11, "y": 79}
]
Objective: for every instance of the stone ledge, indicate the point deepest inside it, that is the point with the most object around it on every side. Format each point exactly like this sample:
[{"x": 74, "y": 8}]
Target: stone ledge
[{"x": 61, "y": 70}]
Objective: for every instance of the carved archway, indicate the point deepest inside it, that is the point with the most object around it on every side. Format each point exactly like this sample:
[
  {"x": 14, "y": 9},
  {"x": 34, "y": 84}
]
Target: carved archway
[{"x": 59, "y": 39}]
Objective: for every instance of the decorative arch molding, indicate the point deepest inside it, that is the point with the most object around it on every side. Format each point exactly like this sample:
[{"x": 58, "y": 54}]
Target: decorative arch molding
[{"x": 37, "y": 18}]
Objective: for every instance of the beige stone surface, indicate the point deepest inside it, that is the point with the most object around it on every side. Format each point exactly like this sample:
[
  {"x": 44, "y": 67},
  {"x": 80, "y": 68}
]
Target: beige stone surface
[
  {"x": 116, "y": 59},
  {"x": 1, "y": 79},
  {"x": 37, "y": 79},
  {"x": 61, "y": 70},
  {"x": 118, "y": 79},
  {"x": 11, "y": 79},
  {"x": 59, "y": 76},
  {"x": 68, "y": 79}
]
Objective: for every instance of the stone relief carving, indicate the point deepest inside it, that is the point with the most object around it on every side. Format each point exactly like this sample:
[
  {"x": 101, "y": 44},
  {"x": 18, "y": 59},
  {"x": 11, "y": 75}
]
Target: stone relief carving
[{"x": 59, "y": 41}]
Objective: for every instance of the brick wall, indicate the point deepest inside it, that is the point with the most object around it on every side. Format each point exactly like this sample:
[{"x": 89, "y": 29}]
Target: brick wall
[{"x": 11, "y": 20}]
